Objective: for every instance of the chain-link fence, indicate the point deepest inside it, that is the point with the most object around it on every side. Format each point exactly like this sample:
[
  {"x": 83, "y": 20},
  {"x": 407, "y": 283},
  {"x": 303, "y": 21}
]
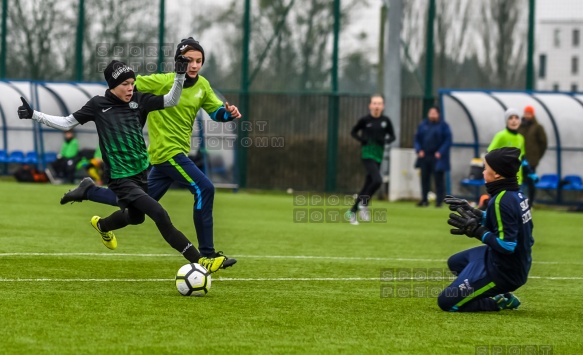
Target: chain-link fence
[{"x": 303, "y": 68}]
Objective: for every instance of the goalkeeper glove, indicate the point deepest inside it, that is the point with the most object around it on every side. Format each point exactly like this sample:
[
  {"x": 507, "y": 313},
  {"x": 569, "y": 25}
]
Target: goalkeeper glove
[
  {"x": 456, "y": 203},
  {"x": 466, "y": 223}
]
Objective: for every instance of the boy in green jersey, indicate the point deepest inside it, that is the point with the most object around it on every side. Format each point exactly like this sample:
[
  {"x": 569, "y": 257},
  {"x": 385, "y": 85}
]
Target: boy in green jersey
[{"x": 509, "y": 137}]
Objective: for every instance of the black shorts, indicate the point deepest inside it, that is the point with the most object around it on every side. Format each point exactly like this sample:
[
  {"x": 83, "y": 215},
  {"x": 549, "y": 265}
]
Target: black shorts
[{"x": 130, "y": 188}]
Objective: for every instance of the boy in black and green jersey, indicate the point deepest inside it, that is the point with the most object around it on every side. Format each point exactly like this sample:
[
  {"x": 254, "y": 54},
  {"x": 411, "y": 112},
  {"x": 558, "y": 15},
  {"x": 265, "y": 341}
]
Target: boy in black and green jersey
[
  {"x": 170, "y": 132},
  {"x": 119, "y": 117},
  {"x": 373, "y": 131}
]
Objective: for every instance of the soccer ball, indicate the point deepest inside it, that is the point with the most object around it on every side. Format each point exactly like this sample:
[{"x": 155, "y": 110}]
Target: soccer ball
[{"x": 193, "y": 280}]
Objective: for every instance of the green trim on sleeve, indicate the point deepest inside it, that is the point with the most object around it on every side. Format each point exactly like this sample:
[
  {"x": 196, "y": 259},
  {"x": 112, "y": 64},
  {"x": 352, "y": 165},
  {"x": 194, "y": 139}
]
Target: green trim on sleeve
[{"x": 499, "y": 216}]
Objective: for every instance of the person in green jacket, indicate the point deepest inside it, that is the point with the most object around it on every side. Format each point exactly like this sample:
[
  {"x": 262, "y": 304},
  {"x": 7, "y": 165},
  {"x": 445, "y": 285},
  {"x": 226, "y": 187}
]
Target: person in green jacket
[
  {"x": 509, "y": 137},
  {"x": 65, "y": 165},
  {"x": 535, "y": 142}
]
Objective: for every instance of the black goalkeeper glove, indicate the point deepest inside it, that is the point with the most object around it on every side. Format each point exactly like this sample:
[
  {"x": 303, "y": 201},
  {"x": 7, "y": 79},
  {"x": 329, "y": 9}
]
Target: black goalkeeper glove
[
  {"x": 455, "y": 203},
  {"x": 466, "y": 223},
  {"x": 181, "y": 64},
  {"x": 25, "y": 111}
]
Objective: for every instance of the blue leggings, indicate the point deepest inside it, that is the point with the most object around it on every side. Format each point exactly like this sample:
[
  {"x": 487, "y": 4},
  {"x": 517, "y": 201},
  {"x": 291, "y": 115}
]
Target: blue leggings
[
  {"x": 473, "y": 288},
  {"x": 182, "y": 170}
]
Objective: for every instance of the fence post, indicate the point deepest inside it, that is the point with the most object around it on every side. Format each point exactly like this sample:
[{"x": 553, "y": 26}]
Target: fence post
[
  {"x": 333, "y": 109},
  {"x": 530, "y": 48},
  {"x": 428, "y": 97},
  {"x": 161, "y": 25},
  {"x": 79, "y": 42},
  {"x": 3, "y": 40},
  {"x": 244, "y": 97}
]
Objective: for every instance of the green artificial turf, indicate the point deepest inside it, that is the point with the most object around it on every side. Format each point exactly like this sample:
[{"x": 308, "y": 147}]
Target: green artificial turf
[{"x": 298, "y": 287}]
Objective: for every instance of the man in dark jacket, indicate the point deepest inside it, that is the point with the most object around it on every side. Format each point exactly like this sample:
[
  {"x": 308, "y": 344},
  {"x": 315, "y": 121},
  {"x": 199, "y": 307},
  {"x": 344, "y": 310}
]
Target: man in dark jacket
[
  {"x": 432, "y": 144},
  {"x": 535, "y": 140}
]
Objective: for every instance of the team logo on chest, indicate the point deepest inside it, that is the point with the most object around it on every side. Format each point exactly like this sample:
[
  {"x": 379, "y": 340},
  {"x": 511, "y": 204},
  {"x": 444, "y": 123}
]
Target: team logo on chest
[
  {"x": 384, "y": 124},
  {"x": 133, "y": 105}
]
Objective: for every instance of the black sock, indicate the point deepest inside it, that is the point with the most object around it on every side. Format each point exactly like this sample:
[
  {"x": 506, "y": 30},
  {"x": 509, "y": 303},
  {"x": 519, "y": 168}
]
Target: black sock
[
  {"x": 178, "y": 241},
  {"x": 116, "y": 220}
]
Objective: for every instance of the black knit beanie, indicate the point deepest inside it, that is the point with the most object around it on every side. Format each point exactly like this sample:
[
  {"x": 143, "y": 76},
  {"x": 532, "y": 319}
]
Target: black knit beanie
[
  {"x": 504, "y": 161},
  {"x": 117, "y": 72},
  {"x": 186, "y": 43}
]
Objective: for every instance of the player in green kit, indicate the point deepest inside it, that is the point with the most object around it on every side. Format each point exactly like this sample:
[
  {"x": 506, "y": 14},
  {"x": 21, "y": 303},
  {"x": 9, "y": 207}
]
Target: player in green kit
[
  {"x": 509, "y": 137},
  {"x": 170, "y": 132}
]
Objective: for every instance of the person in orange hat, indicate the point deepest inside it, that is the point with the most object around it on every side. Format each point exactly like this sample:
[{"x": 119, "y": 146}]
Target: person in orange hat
[{"x": 535, "y": 139}]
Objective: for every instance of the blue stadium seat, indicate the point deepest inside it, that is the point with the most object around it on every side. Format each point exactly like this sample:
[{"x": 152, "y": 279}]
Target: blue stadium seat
[
  {"x": 3, "y": 157},
  {"x": 572, "y": 182},
  {"x": 30, "y": 158},
  {"x": 473, "y": 182},
  {"x": 548, "y": 182},
  {"x": 50, "y": 157},
  {"x": 16, "y": 157},
  {"x": 474, "y": 185}
]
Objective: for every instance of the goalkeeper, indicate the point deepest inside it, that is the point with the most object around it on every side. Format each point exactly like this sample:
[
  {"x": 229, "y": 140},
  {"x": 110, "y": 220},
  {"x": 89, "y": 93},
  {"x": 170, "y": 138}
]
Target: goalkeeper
[{"x": 487, "y": 274}]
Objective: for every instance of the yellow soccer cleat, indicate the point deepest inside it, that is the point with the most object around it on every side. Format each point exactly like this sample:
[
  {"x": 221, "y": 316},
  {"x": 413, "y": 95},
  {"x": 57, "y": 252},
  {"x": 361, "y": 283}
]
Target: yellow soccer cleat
[
  {"x": 108, "y": 238},
  {"x": 212, "y": 264}
]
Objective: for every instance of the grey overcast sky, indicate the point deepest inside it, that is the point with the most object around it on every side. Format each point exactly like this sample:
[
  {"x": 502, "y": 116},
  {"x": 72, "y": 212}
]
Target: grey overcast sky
[
  {"x": 559, "y": 9},
  {"x": 367, "y": 20}
]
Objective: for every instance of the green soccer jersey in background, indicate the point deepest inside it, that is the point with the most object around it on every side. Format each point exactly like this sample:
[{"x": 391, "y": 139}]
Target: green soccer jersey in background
[
  {"x": 373, "y": 151},
  {"x": 170, "y": 129},
  {"x": 70, "y": 149},
  {"x": 508, "y": 138}
]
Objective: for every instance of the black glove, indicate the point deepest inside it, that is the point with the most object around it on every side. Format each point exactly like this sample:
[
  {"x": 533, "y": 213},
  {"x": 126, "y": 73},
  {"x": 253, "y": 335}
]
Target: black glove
[
  {"x": 455, "y": 203},
  {"x": 25, "y": 111},
  {"x": 466, "y": 223},
  {"x": 181, "y": 64}
]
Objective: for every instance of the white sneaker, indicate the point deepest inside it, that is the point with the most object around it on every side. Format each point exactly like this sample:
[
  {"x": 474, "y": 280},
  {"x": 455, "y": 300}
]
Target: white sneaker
[
  {"x": 364, "y": 213},
  {"x": 351, "y": 217}
]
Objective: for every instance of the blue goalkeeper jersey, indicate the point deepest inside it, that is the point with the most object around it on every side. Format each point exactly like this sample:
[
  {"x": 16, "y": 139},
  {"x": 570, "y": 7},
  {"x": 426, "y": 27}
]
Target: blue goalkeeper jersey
[{"x": 509, "y": 222}]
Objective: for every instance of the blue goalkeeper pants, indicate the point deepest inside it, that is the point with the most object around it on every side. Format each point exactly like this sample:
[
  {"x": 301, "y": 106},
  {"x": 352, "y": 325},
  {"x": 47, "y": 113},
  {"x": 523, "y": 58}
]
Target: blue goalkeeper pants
[
  {"x": 473, "y": 288},
  {"x": 182, "y": 170}
]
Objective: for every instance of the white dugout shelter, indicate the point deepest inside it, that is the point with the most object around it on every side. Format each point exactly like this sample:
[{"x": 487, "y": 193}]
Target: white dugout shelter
[
  {"x": 476, "y": 116},
  {"x": 28, "y": 138}
]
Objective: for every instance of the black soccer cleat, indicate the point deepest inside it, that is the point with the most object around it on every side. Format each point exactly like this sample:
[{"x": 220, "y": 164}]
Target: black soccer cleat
[
  {"x": 228, "y": 261},
  {"x": 79, "y": 193}
]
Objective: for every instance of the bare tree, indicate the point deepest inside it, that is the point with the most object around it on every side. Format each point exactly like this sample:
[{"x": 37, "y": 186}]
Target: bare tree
[
  {"x": 451, "y": 41},
  {"x": 123, "y": 30},
  {"x": 503, "y": 32},
  {"x": 37, "y": 39}
]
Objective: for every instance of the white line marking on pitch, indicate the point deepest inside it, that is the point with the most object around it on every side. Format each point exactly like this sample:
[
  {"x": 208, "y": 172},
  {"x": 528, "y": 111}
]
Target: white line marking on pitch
[
  {"x": 291, "y": 257},
  {"x": 271, "y": 279}
]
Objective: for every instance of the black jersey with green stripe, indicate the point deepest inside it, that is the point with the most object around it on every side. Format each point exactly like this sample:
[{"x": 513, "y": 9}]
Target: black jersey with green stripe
[
  {"x": 373, "y": 133},
  {"x": 509, "y": 221},
  {"x": 119, "y": 127}
]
